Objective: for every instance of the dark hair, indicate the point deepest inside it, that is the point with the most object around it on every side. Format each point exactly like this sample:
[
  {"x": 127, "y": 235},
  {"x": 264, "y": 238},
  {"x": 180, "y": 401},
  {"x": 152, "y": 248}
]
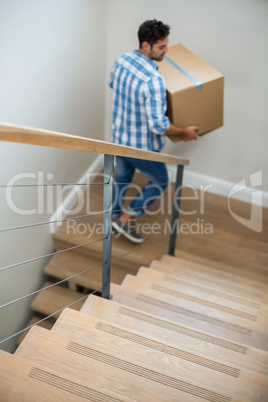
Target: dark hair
[{"x": 152, "y": 31}]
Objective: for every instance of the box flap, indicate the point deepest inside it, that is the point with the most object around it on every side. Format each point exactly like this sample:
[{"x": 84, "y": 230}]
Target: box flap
[{"x": 175, "y": 80}]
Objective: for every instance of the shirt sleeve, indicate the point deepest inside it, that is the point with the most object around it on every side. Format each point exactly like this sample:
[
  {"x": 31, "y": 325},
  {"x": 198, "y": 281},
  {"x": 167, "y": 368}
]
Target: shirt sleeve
[{"x": 156, "y": 105}]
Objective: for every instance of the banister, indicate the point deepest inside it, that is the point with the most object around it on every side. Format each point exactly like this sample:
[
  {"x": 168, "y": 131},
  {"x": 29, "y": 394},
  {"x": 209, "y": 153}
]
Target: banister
[{"x": 32, "y": 136}]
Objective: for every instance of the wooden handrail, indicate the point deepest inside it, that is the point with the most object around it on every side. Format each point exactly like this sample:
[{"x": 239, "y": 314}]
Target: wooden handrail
[{"x": 25, "y": 135}]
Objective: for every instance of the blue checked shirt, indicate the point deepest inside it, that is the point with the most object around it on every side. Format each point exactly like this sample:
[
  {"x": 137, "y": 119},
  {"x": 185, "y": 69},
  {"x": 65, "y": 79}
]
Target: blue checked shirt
[{"x": 139, "y": 103}]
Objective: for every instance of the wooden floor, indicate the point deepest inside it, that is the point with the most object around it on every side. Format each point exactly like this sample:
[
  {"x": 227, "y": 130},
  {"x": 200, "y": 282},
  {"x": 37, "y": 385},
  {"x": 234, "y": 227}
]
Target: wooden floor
[{"x": 193, "y": 327}]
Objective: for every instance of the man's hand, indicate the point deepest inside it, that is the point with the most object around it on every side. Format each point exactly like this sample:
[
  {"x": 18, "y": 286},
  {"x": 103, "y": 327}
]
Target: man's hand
[
  {"x": 186, "y": 134},
  {"x": 190, "y": 133}
]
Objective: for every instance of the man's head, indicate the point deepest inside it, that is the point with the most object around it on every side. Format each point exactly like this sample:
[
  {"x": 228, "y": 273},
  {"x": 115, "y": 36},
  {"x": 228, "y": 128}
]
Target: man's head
[{"x": 153, "y": 39}]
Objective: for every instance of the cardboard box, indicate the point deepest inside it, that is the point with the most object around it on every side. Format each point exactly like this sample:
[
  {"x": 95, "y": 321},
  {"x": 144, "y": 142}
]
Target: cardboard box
[{"x": 194, "y": 90}]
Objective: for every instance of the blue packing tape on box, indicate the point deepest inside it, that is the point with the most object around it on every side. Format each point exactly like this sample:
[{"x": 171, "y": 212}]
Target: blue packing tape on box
[{"x": 186, "y": 73}]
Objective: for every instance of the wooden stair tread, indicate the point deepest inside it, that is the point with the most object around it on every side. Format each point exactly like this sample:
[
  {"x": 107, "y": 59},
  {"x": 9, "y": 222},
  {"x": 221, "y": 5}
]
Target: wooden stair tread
[
  {"x": 220, "y": 247},
  {"x": 193, "y": 307},
  {"x": 202, "y": 323},
  {"x": 180, "y": 263},
  {"x": 133, "y": 254},
  {"x": 203, "y": 278},
  {"x": 176, "y": 335},
  {"x": 222, "y": 266},
  {"x": 78, "y": 359},
  {"x": 24, "y": 381},
  {"x": 35, "y": 321},
  {"x": 76, "y": 324},
  {"x": 101, "y": 335},
  {"x": 202, "y": 294},
  {"x": 51, "y": 300},
  {"x": 70, "y": 265},
  {"x": 95, "y": 257},
  {"x": 236, "y": 320}
]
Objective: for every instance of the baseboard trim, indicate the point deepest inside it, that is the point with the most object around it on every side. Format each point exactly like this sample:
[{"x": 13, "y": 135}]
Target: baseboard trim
[
  {"x": 222, "y": 187},
  {"x": 71, "y": 199}
]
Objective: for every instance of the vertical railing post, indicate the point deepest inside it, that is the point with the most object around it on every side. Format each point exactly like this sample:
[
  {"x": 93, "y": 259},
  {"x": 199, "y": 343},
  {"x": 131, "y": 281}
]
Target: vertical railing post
[
  {"x": 107, "y": 219},
  {"x": 176, "y": 210}
]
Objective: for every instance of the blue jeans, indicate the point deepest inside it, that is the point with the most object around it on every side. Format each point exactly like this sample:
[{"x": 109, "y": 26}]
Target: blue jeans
[{"x": 157, "y": 174}]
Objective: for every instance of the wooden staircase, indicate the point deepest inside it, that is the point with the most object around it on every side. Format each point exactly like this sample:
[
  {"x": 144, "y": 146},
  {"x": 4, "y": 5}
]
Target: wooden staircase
[
  {"x": 82, "y": 265},
  {"x": 187, "y": 328},
  {"x": 231, "y": 248},
  {"x": 176, "y": 331}
]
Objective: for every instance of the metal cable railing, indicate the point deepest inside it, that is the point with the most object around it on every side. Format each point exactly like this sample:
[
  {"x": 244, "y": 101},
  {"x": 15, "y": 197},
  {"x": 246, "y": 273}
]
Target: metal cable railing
[
  {"x": 46, "y": 318},
  {"x": 106, "y": 213},
  {"x": 59, "y": 310},
  {"x": 81, "y": 272},
  {"x": 31, "y": 225},
  {"x": 50, "y": 185},
  {"x": 66, "y": 280},
  {"x": 50, "y": 254},
  {"x": 49, "y": 286}
]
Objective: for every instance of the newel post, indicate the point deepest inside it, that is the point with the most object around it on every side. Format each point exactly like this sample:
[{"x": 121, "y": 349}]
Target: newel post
[
  {"x": 107, "y": 224},
  {"x": 176, "y": 210}
]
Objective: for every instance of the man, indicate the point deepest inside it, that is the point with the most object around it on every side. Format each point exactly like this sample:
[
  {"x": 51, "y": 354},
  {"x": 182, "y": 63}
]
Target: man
[{"x": 139, "y": 120}]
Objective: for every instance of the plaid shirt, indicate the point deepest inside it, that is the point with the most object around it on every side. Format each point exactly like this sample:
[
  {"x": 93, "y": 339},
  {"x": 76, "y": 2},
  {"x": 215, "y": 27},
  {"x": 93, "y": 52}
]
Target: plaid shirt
[{"x": 139, "y": 103}]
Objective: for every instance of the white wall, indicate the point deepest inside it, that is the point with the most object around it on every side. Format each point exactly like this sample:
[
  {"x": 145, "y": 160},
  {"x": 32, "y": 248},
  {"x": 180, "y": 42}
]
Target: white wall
[
  {"x": 52, "y": 69},
  {"x": 232, "y": 36}
]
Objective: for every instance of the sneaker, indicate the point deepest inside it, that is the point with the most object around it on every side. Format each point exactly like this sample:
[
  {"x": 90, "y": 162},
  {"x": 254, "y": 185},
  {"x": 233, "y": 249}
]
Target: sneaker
[{"x": 128, "y": 231}]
